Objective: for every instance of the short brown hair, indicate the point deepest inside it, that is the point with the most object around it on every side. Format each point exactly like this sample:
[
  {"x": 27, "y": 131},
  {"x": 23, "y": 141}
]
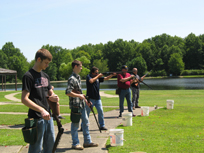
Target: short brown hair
[
  {"x": 94, "y": 69},
  {"x": 76, "y": 62},
  {"x": 43, "y": 54}
]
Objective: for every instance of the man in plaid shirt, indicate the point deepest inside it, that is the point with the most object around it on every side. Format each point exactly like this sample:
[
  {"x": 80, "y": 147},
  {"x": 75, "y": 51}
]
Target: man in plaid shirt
[{"x": 77, "y": 105}]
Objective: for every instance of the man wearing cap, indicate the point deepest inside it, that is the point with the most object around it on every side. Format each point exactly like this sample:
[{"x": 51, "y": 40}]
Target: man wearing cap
[{"x": 123, "y": 80}]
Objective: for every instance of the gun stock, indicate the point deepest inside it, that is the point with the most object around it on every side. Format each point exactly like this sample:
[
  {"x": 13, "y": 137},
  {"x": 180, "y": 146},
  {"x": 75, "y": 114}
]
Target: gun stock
[{"x": 55, "y": 111}]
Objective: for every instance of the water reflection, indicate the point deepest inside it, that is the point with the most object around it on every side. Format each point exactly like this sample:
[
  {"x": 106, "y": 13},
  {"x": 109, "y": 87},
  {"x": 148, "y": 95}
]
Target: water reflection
[{"x": 156, "y": 84}]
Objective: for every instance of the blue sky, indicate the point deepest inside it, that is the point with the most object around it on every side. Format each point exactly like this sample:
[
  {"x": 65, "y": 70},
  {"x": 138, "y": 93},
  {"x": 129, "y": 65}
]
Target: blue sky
[{"x": 30, "y": 24}]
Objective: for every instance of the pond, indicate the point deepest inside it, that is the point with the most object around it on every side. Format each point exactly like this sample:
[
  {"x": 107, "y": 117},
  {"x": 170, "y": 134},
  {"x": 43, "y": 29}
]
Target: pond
[{"x": 155, "y": 84}]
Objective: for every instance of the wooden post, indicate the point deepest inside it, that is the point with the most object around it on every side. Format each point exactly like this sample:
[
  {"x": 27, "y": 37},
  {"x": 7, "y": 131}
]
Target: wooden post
[
  {"x": 5, "y": 83},
  {"x": 16, "y": 82},
  {"x": 2, "y": 81}
]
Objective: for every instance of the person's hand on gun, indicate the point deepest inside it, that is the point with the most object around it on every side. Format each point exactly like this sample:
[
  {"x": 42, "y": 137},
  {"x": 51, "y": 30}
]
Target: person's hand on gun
[
  {"x": 54, "y": 98},
  {"x": 82, "y": 96},
  {"x": 114, "y": 74},
  {"x": 100, "y": 75},
  {"x": 88, "y": 103}
]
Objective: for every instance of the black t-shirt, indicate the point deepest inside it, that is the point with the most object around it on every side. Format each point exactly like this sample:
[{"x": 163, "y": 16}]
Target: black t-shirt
[
  {"x": 93, "y": 88},
  {"x": 38, "y": 84}
]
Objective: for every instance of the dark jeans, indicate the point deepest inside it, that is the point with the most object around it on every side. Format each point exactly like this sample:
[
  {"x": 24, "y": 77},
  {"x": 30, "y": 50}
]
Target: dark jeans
[
  {"x": 125, "y": 93},
  {"x": 135, "y": 96}
]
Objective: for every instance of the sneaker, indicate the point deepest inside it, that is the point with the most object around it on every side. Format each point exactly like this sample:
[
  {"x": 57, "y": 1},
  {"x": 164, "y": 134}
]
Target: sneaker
[
  {"x": 133, "y": 115},
  {"x": 90, "y": 145},
  {"x": 137, "y": 107},
  {"x": 120, "y": 115},
  {"x": 77, "y": 147},
  {"x": 103, "y": 128}
]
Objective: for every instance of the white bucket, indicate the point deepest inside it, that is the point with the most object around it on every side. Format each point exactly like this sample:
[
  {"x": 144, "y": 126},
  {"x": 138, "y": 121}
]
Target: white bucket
[
  {"x": 127, "y": 119},
  {"x": 144, "y": 111},
  {"x": 170, "y": 104},
  {"x": 116, "y": 137}
]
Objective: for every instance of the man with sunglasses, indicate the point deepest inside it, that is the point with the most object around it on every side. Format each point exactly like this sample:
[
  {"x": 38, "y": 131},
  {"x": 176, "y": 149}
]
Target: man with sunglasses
[
  {"x": 135, "y": 86},
  {"x": 93, "y": 81}
]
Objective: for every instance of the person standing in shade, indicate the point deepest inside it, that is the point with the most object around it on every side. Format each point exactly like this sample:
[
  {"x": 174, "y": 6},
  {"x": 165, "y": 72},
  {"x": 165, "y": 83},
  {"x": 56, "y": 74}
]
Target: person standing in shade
[
  {"x": 35, "y": 90},
  {"x": 93, "y": 81},
  {"x": 123, "y": 80},
  {"x": 77, "y": 104},
  {"x": 135, "y": 86}
]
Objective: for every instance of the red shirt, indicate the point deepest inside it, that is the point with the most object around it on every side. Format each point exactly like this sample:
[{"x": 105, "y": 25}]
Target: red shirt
[{"x": 123, "y": 85}]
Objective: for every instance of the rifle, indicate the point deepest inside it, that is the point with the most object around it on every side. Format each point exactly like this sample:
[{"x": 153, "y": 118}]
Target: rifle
[
  {"x": 142, "y": 81},
  {"x": 147, "y": 73},
  {"x": 78, "y": 92},
  {"x": 55, "y": 111},
  {"x": 145, "y": 84},
  {"x": 93, "y": 112},
  {"x": 108, "y": 73}
]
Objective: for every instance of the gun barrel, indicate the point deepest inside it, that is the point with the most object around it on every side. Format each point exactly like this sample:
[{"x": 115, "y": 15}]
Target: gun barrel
[{"x": 93, "y": 113}]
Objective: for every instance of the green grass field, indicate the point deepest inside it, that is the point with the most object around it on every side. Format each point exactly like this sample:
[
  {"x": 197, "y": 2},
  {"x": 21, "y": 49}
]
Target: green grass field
[
  {"x": 11, "y": 136},
  {"x": 178, "y": 130}
]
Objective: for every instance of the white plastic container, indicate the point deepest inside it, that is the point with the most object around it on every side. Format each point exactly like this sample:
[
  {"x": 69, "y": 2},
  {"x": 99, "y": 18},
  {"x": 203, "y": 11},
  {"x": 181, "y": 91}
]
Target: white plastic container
[
  {"x": 169, "y": 104},
  {"x": 144, "y": 111},
  {"x": 116, "y": 137},
  {"x": 127, "y": 119}
]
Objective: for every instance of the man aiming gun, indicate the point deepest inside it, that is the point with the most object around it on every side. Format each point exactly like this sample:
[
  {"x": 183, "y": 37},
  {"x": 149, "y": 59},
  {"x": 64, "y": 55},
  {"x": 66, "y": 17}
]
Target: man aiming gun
[
  {"x": 135, "y": 86},
  {"x": 93, "y": 81}
]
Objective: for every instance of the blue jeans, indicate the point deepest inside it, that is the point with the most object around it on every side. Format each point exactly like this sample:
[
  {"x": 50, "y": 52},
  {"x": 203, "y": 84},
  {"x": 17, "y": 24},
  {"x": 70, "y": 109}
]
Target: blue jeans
[
  {"x": 46, "y": 137},
  {"x": 125, "y": 93},
  {"x": 99, "y": 107},
  {"x": 85, "y": 127}
]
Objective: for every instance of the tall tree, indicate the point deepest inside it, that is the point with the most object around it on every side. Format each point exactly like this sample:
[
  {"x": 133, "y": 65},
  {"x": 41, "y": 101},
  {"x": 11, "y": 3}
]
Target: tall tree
[
  {"x": 118, "y": 53},
  {"x": 66, "y": 69},
  {"x": 146, "y": 52},
  {"x": 3, "y": 60},
  {"x": 18, "y": 63},
  {"x": 176, "y": 64},
  {"x": 15, "y": 60},
  {"x": 194, "y": 53},
  {"x": 102, "y": 65},
  {"x": 138, "y": 63}
]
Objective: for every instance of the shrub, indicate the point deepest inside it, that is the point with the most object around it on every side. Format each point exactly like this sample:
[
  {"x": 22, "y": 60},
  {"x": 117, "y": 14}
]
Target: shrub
[{"x": 192, "y": 72}]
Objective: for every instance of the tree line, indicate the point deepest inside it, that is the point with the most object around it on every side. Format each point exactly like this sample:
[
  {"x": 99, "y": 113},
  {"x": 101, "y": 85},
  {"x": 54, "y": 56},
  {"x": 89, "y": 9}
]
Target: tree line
[{"x": 163, "y": 54}]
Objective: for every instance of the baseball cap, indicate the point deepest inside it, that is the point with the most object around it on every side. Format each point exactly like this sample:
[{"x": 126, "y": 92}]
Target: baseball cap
[{"x": 124, "y": 67}]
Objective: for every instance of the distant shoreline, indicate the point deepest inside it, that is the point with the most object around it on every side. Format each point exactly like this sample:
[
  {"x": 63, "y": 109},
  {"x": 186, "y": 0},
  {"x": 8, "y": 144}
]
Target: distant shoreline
[{"x": 158, "y": 77}]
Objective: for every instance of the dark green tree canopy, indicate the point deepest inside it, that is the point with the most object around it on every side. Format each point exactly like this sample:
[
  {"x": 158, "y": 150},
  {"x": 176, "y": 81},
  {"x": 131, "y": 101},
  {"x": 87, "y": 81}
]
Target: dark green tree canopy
[{"x": 156, "y": 53}]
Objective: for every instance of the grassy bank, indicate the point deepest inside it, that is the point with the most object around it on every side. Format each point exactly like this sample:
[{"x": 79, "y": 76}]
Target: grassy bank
[
  {"x": 177, "y": 130},
  {"x": 14, "y": 136}
]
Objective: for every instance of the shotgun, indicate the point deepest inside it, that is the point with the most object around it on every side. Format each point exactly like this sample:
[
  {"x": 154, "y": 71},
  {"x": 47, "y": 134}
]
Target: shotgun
[
  {"x": 87, "y": 98},
  {"x": 120, "y": 72},
  {"x": 93, "y": 113},
  {"x": 142, "y": 81},
  {"x": 55, "y": 111}
]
